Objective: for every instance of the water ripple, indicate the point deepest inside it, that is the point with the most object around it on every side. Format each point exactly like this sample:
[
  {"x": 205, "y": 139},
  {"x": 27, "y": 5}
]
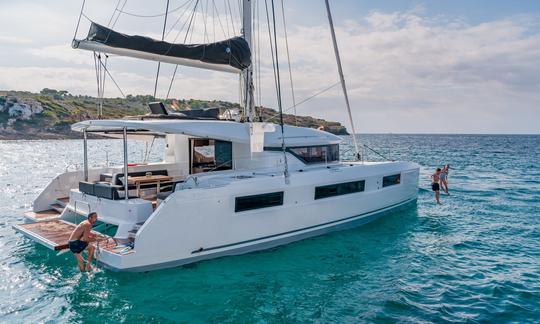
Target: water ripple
[{"x": 474, "y": 259}]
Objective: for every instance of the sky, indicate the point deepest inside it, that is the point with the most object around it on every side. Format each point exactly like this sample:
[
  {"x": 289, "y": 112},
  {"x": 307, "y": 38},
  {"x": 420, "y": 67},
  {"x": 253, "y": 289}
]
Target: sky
[{"x": 410, "y": 66}]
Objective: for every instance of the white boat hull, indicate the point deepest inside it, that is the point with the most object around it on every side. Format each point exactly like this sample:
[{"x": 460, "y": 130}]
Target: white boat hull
[
  {"x": 201, "y": 223},
  {"x": 268, "y": 243}
]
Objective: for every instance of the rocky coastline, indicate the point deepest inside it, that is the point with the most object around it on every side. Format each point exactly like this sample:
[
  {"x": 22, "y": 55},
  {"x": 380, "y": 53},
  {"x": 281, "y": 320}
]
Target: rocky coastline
[{"x": 50, "y": 113}]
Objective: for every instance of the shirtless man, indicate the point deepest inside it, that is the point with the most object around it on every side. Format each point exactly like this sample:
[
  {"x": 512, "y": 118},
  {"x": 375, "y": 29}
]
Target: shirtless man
[
  {"x": 79, "y": 239},
  {"x": 435, "y": 178}
]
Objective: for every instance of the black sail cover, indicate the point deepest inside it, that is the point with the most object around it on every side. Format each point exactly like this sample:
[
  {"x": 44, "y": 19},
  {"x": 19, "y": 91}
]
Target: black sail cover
[{"x": 234, "y": 51}]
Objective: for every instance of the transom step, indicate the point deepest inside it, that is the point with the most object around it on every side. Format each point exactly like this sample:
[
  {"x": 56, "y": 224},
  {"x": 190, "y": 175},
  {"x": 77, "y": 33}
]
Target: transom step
[
  {"x": 42, "y": 215},
  {"x": 54, "y": 234}
]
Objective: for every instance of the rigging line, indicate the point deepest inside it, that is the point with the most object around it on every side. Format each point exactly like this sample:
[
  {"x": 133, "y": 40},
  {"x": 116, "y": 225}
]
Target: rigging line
[
  {"x": 98, "y": 77},
  {"x": 341, "y": 77},
  {"x": 114, "y": 12},
  {"x": 289, "y": 62},
  {"x": 179, "y": 18},
  {"x": 232, "y": 18},
  {"x": 85, "y": 16},
  {"x": 227, "y": 22},
  {"x": 187, "y": 31},
  {"x": 103, "y": 79},
  {"x": 219, "y": 20},
  {"x": 116, "y": 20},
  {"x": 254, "y": 56},
  {"x": 99, "y": 84},
  {"x": 176, "y": 22},
  {"x": 259, "y": 59},
  {"x": 270, "y": 41},
  {"x": 113, "y": 80},
  {"x": 162, "y": 38},
  {"x": 205, "y": 36},
  {"x": 307, "y": 99},
  {"x": 240, "y": 9},
  {"x": 97, "y": 81},
  {"x": 315, "y": 95},
  {"x": 379, "y": 154},
  {"x": 155, "y": 15},
  {"x": 256, "y": 61},
  {"x": 240, "y": 87},
  {"x": 147, "y": 153},
  {"x": 185, "y": 38},
  {"x": 286, "y": 171},
  {"x": 214, "y": 22},
  {"x": 193, "y": 24},
  {"x": 79, "y": 20}
]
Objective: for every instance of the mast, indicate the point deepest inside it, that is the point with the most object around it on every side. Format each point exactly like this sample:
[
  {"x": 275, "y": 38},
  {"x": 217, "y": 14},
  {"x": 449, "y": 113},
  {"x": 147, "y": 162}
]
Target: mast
[
  {"x": 342, "y": 79},
  {"x": 247, "y": 74}
]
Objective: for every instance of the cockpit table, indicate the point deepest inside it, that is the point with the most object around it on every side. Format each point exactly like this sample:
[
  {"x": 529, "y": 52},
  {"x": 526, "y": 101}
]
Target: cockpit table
[{"x": 153, "y": 179}]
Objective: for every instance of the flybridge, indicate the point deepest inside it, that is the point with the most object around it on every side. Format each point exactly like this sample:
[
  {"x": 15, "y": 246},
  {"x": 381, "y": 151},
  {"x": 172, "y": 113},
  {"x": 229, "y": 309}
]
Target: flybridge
[
  {"x": 230, "y": 55},
  {"x": 222, "y": 130}
]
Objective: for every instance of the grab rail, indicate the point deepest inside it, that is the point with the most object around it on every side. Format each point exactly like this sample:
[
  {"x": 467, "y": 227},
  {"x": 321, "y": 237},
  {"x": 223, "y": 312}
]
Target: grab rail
[{"x": 81, "y": 202}]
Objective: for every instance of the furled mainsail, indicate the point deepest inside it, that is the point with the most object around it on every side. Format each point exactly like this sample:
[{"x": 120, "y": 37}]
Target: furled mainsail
[{"x": 231, "y": 55}]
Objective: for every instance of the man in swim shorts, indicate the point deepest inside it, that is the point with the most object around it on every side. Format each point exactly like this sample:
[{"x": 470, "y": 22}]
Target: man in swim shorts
[
  {"x": 79, "y": 239},
  {"x": 435, "y": 178}
]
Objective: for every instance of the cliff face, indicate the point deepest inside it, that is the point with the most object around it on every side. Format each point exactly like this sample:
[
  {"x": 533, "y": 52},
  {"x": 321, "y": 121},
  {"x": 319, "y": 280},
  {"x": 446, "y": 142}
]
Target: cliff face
[{"x": 49, "y": 114}]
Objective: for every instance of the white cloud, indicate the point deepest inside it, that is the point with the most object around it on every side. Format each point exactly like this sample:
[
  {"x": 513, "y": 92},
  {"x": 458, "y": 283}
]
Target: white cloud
[
  {"x": 405, "y": 72},
  {"x": 63, "y": 53},
  {"x": 409, "y": 73},
  {"x": 6, "y": 39},
  {"x": 83, "y": 81},
  {"x": 77, "y": 81}
]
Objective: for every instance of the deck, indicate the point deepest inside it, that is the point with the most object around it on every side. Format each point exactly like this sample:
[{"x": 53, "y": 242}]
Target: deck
[
  {"x": 54, "y": 234},
  {"x": 42, "y": 215}
]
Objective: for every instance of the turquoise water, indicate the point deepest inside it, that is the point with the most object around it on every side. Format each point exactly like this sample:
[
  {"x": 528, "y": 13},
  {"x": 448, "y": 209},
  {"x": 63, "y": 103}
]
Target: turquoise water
[{"x": 475, "y": 258}]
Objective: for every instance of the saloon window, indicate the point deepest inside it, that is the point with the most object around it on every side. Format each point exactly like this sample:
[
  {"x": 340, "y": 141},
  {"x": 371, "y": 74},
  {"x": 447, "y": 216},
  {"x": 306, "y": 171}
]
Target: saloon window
[
  {"x": 258, "y": 201},
  {"x": 316, "y": 154},
  {"x": 339, "y": 189},
  {"x": 210, "y": 155},
  {"x": 391, "y": 180}
]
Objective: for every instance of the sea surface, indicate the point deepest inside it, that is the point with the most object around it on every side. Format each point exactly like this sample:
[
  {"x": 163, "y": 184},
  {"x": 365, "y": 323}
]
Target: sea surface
[{"x": 475, "y": 258}]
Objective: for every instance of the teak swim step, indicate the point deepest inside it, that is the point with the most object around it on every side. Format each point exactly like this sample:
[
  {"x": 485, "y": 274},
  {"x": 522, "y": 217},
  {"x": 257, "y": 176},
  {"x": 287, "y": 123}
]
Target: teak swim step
[
  {"x": 42, "y": 215},
  {"x": 54, "y": 234},
  {"x": 56, "y": 209}
]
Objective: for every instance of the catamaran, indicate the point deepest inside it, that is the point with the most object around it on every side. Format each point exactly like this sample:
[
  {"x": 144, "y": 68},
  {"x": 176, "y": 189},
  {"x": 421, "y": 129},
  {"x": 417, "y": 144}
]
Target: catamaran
[{"x": 224, "y": 187}]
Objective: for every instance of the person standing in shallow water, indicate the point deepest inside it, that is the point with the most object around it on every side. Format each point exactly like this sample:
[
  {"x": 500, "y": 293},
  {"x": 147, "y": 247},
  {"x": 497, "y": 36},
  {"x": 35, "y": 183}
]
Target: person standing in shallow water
[
  {"x": 79, "y": 239},
  {"x": 444, "y": 178},
  {"x": 435, "y": 179}
]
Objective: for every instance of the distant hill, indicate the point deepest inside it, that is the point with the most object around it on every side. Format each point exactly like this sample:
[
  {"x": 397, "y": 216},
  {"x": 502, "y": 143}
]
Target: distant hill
[{"x": 50, "y": 113}]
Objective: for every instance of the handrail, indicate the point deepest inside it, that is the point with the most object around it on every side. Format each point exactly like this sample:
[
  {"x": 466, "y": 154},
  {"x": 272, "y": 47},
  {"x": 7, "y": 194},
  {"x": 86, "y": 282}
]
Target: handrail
[
  {"x": 374, "y": 151},
  {"x": 82, "y": 202},
  {"x": 72, "y": 164}
]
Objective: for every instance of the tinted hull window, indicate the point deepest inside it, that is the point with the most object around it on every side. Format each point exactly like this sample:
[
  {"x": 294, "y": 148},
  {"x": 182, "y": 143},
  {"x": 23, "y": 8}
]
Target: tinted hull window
[
  {"x": 339, "y": 189},
  {"x": 391, "y": 180},
  {"x": 258, "y": 201}
]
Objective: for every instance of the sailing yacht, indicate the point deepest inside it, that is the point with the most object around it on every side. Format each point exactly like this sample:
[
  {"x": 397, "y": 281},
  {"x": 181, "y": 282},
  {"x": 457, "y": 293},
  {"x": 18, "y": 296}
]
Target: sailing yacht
[{"x": 224, "y": 187}]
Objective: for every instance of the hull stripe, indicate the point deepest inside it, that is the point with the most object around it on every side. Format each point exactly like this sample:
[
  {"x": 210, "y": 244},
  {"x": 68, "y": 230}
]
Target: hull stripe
[{"x": 299, "y": 230}]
